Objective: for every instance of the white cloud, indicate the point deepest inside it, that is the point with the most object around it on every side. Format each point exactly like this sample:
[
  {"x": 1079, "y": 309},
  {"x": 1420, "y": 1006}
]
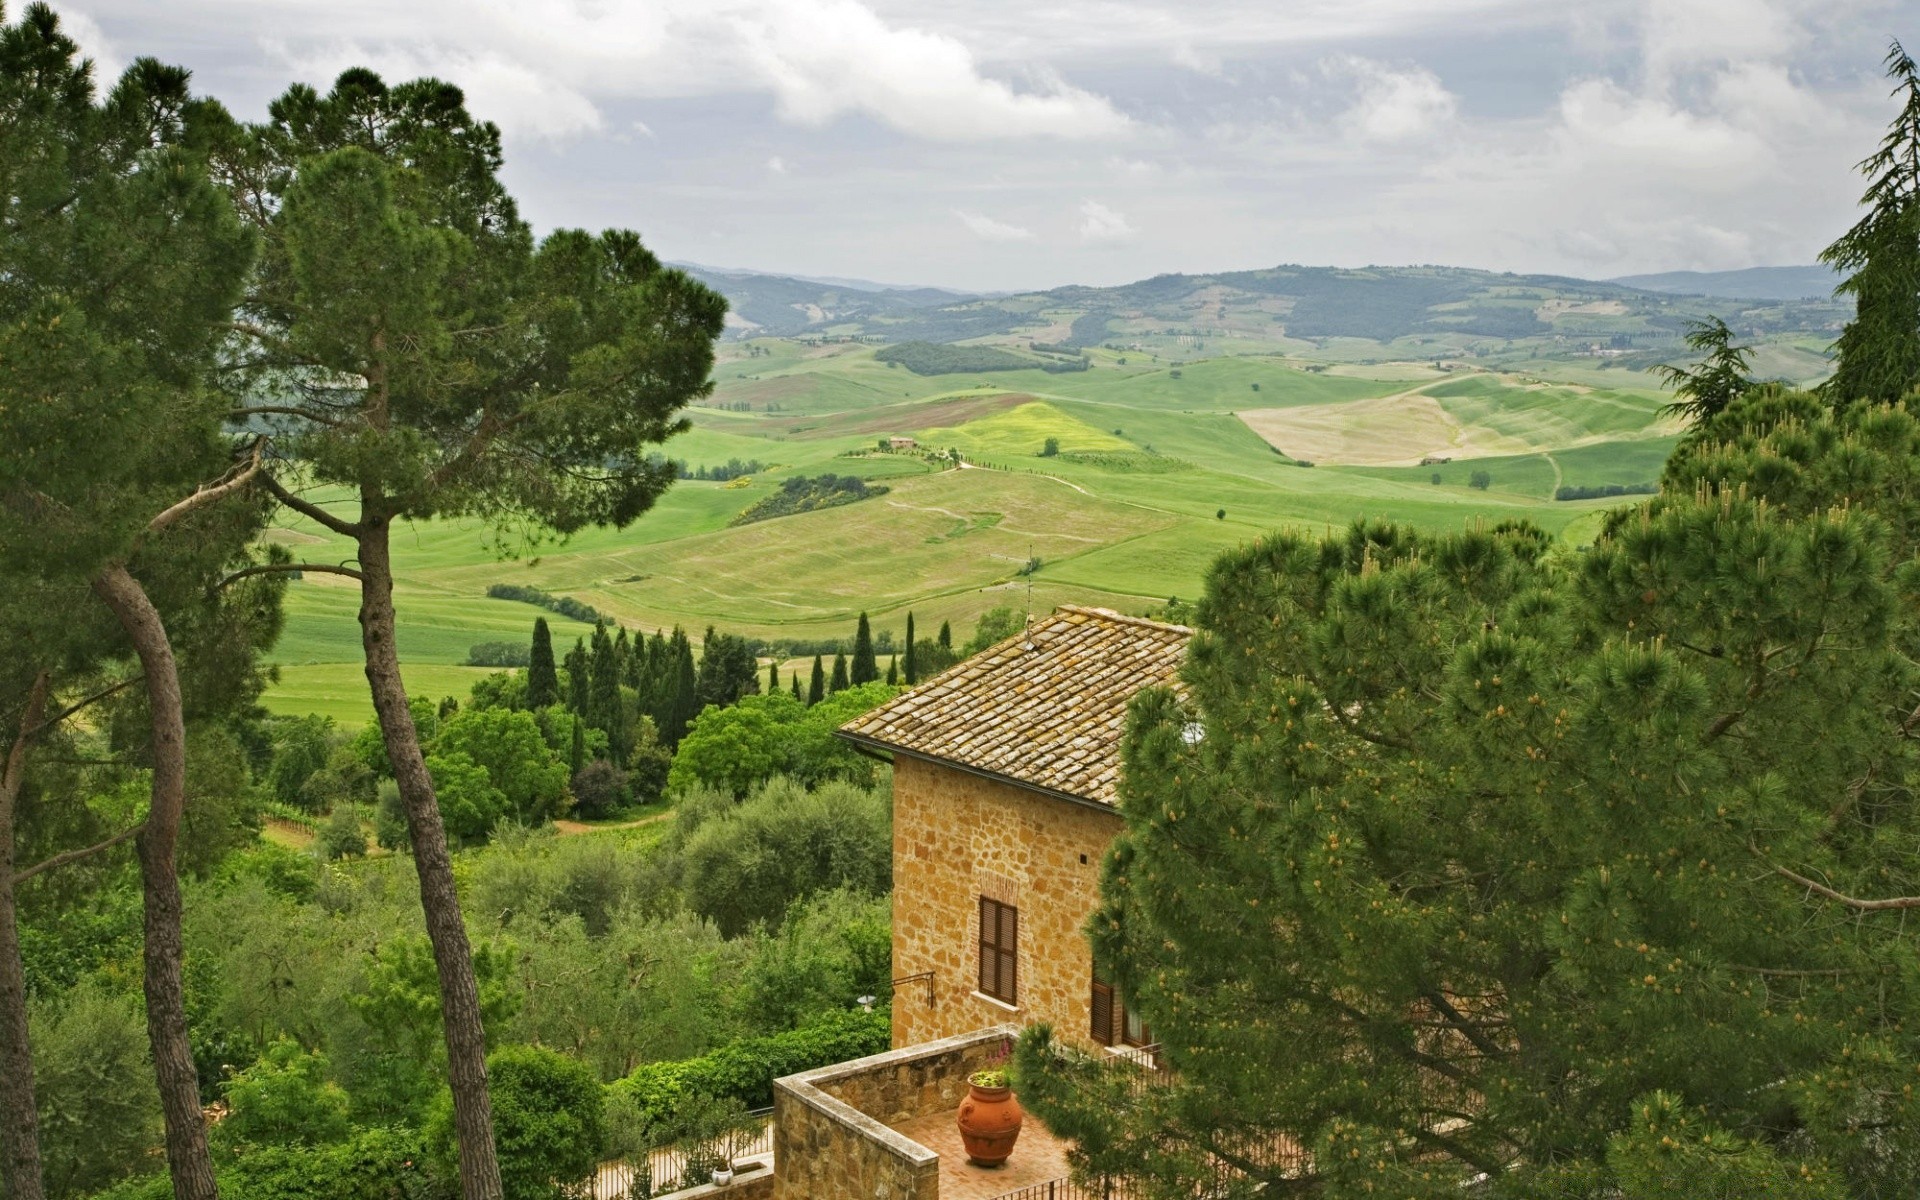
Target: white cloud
[
  {"x": 520, "y": 98},
  {"x": 777, "y": 165},
  {"x": 825, "y": 58},
  {"x": 1098, "y": 223},
  {"x": 989, "y": 230},
  {"x": 1393, "y": 105},
  {"x": 87, "y": 34}
]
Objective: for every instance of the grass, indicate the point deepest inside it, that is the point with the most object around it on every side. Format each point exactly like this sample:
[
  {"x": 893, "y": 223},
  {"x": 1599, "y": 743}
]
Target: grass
[{"x": 1130, "y": 514}]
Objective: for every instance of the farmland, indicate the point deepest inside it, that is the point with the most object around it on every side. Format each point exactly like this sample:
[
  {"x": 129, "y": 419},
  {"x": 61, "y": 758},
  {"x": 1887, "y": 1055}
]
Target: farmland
[{"x": 1167, "y": 449}]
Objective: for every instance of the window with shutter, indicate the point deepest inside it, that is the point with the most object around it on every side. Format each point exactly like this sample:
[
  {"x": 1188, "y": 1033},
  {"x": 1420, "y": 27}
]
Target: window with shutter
[
  {"x": 1102, "y": 1013},
  {"x": 999, "y": 958}
]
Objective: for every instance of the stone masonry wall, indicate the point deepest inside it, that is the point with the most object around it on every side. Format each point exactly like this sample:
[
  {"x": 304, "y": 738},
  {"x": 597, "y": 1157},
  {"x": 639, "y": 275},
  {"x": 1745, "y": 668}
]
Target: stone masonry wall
[
  {"x": 958, "y": 837},
  {"x": 830, "y": 1125}
]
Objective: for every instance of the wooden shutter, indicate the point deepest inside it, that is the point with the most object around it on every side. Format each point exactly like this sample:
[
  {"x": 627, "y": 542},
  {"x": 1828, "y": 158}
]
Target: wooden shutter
[
  {"x": 1102, "y": 1013},
  {"x": 999, "y": 957}
]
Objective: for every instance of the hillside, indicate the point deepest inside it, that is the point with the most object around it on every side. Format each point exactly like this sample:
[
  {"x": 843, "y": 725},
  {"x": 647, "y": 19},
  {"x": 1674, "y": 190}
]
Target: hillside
[{"x": 1755, "y": 283}]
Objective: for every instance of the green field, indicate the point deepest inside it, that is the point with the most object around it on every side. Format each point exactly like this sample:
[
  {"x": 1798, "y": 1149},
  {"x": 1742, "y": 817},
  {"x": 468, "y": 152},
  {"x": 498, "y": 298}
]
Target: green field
[{"x": 1156, "y": 474}]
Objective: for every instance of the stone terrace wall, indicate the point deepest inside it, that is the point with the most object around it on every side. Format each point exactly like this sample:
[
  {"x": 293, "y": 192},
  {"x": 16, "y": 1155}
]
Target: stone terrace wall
[{"x": 830, "y": 1125}]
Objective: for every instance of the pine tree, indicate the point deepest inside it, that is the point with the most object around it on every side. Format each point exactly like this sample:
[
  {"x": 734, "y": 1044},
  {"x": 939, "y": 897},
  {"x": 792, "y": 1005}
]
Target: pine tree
[
  {"x": 946, "y": 635},
  {"x": 838, "y": 682},
  {"x": 1717, "y": 380},
  {"x": 543, "y": 682},
  {"x": 1879, "y": 350},
  {"x": 912, "y": 676},
  {"x": 817, "y": 689},
  {"x": 864, "y": 668}
]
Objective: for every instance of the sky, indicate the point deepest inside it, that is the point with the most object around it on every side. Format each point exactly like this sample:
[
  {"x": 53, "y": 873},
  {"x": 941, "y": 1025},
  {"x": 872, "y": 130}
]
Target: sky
[{"x": 1017, "y": 144}]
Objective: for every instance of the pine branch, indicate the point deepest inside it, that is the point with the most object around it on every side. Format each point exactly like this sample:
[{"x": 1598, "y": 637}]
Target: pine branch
[
  {"x": 77, "y": 705},
  {"x": 1891, "y": 904},
  {"x": 308, "y": 508},
  {"x": 69, "y": 856},
  {"x": 232, "y": 482},
  {"x": 284, "y": 568}
]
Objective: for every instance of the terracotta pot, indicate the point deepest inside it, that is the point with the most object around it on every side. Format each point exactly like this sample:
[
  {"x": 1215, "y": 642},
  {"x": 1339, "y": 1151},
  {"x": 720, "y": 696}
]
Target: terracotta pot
[{"x": 989, "y": 1122}]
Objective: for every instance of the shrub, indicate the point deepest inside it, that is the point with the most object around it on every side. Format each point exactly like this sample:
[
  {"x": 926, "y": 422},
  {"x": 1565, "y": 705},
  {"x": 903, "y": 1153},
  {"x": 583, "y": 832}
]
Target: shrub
[
  {"x": 599, "y": 788},
  {"x": 745, "y": 1070},
  {"x": 342, "y": 837},
  {"x": 549, "y": 1122},
  {"x": 499, "y": 654},
  {"x": 285, "y": 1099}
]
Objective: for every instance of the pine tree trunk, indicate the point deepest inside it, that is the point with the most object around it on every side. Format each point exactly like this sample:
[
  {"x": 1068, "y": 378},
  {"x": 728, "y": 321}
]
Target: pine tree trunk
[
  {"x": 187, "y": 1159},
  {"x": 452, "y": 954},
  {"x": 19, "y": 1120}
]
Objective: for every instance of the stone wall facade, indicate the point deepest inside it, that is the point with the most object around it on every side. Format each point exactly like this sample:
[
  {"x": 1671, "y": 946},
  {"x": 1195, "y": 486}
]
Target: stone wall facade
[
  {"x": 957, "y": 837},
  {"x": 830, "y": 1125}
]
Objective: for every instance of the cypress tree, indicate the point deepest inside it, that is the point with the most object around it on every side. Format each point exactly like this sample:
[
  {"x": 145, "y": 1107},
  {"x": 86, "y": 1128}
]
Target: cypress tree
[
  {"x": 622, "y": 655},
  {"x": 865, "y": 668},
  {"x": 795, "y": 680},
  {"x": 773, "y": 677},
  {"x": 1878, "y": 354},
  {"x": 577, "y": 749},
  {"x": 912, "y": 676},
  {"x": 817, "y": 690},
  {"x": 543, "y": 682},
  {"x": 946, "y": 635},
  {"x": 893, "y": 671},
  {"x": 579, "y": 679},
  {"x": 686, "y": 698},
  {"x": 608, "y": 712},
  {"x": 839, "y": 681}
]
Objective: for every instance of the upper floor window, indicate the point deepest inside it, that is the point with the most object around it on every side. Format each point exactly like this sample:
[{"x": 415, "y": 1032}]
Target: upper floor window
[{"x": 999, "y": 958}]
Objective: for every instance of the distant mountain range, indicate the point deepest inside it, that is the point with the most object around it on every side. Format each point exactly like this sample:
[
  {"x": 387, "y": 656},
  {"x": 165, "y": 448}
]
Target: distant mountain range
[
  {"x": 1438, "y": 305},
  {"x": 1754, "y": 283}
]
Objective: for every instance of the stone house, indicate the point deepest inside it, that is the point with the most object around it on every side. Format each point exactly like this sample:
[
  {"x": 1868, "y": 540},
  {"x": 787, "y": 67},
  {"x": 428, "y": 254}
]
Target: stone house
[
  {"x": 1005, "y": 769},
  {"x": 901, "y": 443}
]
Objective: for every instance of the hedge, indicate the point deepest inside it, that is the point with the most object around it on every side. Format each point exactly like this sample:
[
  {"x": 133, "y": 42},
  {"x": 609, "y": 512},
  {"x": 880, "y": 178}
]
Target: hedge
[{"x": 746, "y": 1069}]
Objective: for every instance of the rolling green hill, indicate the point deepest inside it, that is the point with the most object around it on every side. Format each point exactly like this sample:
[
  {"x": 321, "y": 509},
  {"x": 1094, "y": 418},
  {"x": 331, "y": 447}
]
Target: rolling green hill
[{"x": 1189, "y": 432}]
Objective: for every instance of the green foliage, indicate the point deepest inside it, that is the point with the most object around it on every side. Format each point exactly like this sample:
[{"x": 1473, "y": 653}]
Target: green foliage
[
  {"x": 498, "y": 654},
  {"x": 566, "y": 606},
  {"x": 864, "y": 668},
  {"x": 373, "y": 1164},
  {"x": 1515, "y": 840},
  {"x": 469, "y": 803},
  {"x": 927, "y": 358},
  {"x": 1050, "y": 448},
  {"x": 99, "y": 1113},
  {"x": 748, "y": 865},
  {"x": 548, "y": 1123},
  {"x": 1717, "y": 380},
  {"x": 342, "y": 836},
  {"x": 739, "y": 747},
  {"x": 831, "y": 947},
  {"x": 745, "y": 1070},
  {"x": 1480, "y": 480},
  {"x": 284, "y": 1099},
  {"x": 301, "y": 746},
  {"x": 996, "y": 625},
  {"x": 800, "y": 494},
  {"x": 399, "y": 1057},
  {"x": 543, "y": 679},
  {"x": 530, "y": 777},
  {"x": 1879, "y": 350}
]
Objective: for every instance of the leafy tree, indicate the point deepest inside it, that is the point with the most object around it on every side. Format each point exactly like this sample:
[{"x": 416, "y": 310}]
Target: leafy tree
[
  {"x": 599, "y": 788},
  {"x": 1463, "y": 861},
  {"x": 864, "y": 668},
  {"x": 99, "y": 1112},
  {"x": 996, "y": 625},
  {"x": 517, "y": 759},
  {"x": 736, "y": 747},
  {"x": 548, "y": 1119},
  {"x": 285, "y": 1099},
  {"x": 817, "y": 688},
  {"x": 397, "y": 1002},
  {"x": 1717, "y": 380},
  {"x": 1050, "y": 448},
  {"x": 543, "y": 681},
  {"x": 301, "y": 746},
  {"x": 341, "y": 836},
  {"x": 1480, "y": 479},
  {"x": 469, "y": 801},
  {"x": 1879, "y": 350},
  {"x": 784, "y": 843},
  {"x": 389, "y": 818}
]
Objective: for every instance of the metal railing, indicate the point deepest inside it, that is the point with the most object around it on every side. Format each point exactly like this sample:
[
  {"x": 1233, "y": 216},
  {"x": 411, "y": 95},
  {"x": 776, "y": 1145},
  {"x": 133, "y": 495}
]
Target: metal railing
[
  {"x": 1067, "y": 1189},
  {"x": 673, "y": 1168}
]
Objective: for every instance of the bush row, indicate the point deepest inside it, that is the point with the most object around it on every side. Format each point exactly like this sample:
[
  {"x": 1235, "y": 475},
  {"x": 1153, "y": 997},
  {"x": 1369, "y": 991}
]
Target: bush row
[{"x": 745, "y": 1070}]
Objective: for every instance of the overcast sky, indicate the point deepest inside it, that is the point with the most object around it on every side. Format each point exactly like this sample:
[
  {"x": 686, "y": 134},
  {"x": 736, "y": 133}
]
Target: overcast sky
[{"x": 1011, "y": 144}]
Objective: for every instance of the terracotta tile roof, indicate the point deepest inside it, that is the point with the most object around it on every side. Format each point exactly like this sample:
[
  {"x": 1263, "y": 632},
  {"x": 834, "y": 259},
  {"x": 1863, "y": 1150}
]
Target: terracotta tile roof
[{"x": 1044, "y": 708}]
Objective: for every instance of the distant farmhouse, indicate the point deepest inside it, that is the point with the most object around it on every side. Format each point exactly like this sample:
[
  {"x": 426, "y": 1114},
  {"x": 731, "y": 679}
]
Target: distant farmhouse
[{"x": 901, "y": 443}]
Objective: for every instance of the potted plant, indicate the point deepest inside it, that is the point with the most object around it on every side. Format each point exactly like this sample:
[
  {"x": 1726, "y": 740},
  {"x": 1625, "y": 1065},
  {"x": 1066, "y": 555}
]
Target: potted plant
[{"x": 989, "y": 1117}]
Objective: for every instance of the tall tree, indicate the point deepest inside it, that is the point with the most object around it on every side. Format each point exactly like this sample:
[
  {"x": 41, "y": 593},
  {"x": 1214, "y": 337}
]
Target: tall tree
[
  {"x": 838, "y": 681},
  {"x": 912, "y": 676},
  {"x": 1463, "y": 865},
  {"x": 543, "y": 682},
  {"x": 579, "y": 679},
  {"x": 728, "y": 669},
  {"x": 684, "y": 690},
  {"x": 946, "y": 635},
  {"x": 817, "y": 686},
  {"x": 420, "y": 350},
  {"x": 794, "y": 679},
  {"x": 865, "y": 668},
  {"x": 893, "y": 671},
  {"x": 122, "y": 262},
  {"x": 1879, "y": 350},
  {"x": 773, "y": 676},
  {"x": 1717, "y": 380},
  {"x": 606, "y": 708}
]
